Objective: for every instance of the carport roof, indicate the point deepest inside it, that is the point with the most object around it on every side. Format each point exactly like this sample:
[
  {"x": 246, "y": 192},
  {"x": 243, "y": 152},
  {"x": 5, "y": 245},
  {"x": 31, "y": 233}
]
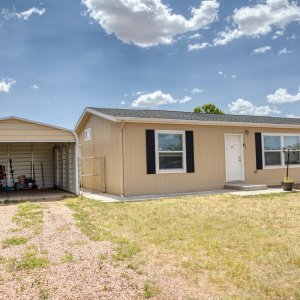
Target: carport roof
[{"x": 15, "y": 129}]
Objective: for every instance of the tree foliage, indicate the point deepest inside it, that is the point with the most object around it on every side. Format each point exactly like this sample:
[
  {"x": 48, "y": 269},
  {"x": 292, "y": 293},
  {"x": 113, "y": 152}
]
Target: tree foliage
[{"x": 208, "y": 109}]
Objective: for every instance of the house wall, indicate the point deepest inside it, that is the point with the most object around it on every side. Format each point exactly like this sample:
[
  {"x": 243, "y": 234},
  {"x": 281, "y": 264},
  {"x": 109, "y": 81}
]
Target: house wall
[
  {"x": 209, "y": 155},
  {"x": 106, "y": 140},
  {"x": 18, "y": 130}
]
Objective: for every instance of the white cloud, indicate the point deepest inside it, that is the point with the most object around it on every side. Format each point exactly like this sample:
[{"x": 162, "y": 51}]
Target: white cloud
[
  {"x": 35, "y": 87},
  {"x": 123, "y": 102},
  {"x": 198, "y": 46},
  {"x": 224, "y": 37},
  {"x": 195, "y": 36},
  {"x": 292, "y": 116},
  {"x": 242, "y": 107},
  {"x": 153, "y": 100},
  {"x": 233, "y": 76},
  {"x": 138, "y": 93},
  {"x": 260, "y": 20},
  {"x": 148, "y": 22},
  {"x": 25, "y": 15},
  {"x": 284, "y": 51},
  {"x": 186, "y": 99},
  {"x": 261, "y": 50},
  {"x": 196, "y": 91},
  {"x": 282, "y": 96},
  {"x": 278, "y": 34},
  {"x": 6, "y": 84},
  {"x": 222, "y": 74}
]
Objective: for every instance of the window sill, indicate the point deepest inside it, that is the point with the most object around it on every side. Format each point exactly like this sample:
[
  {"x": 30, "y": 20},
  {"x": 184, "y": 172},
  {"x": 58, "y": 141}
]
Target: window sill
[
  {"x": 281, "y": 167},
  {"x": 171, "y": 171}
]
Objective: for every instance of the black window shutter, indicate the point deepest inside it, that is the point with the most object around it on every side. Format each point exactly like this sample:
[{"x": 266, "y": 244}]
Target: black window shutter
[
  {"x": 150, "y": 149},
  {"x": 259, "y": 164},
  {"x": 189, "y": 146}
]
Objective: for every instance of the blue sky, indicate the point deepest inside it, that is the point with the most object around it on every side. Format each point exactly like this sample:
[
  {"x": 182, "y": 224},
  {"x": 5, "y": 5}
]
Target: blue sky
[{"x": 57, "y": 57}]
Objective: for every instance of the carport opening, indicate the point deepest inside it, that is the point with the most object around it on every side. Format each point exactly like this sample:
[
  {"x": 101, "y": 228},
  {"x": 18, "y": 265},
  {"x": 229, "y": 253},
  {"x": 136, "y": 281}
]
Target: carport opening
[{"x": 31, "y": 166}]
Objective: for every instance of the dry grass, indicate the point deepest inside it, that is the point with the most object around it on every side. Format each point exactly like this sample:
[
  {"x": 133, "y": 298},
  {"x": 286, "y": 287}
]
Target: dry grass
[{"x": 225, "y": 246}]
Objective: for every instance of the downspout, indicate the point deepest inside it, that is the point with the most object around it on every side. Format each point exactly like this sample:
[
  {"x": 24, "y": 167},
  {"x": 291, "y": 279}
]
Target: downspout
[
  {"x": 123, "y": 164},
  {"x": 76, "y": 161}
]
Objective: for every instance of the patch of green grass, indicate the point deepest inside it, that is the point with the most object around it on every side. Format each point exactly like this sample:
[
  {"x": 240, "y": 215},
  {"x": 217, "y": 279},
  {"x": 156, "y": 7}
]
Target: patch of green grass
[
  {"x": 43, "y": 294},
  {"x": 246, "y": 245},
  {"x": 38, "y": 230},
  {"x": 150, "y": 290},
  {"x": 29, "y": 215},
  {"x": 7, "y": 201},
  {"x": 63, "y": 228},
  {"x": 2, "y": 260},
  {"x": 78, "y": 243},
  {"x": 14, "y": 241},
  {"x": 31, "y": 247},
  {"x": 68, "y": 257},
  {"x": 15, "y": 229},
  {"x": 28, "y": 262}
]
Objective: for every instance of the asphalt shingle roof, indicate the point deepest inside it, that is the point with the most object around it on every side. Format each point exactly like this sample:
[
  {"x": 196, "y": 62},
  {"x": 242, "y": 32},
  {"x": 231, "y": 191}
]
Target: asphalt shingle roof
[{"x": 181, "y": 115}]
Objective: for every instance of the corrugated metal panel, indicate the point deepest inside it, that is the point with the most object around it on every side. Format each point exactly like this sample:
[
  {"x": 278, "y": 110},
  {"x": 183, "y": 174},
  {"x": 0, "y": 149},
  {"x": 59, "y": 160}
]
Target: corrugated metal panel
[
  {"x": 65, "y": 168},
  {"x": 43, "y": 153}
]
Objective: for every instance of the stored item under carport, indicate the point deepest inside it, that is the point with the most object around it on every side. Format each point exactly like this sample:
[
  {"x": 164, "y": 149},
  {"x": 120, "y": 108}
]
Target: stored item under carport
[{"x": 11, "y": 171}]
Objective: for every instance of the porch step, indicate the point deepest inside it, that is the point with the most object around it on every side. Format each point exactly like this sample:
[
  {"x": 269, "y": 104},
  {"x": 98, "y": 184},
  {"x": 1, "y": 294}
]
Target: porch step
[{"x": 245, "y": 187}]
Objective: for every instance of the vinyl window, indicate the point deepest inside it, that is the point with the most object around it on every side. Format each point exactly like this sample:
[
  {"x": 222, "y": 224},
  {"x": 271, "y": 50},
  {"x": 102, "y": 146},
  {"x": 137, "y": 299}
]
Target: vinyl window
[
  {"x": 170, "y": 152},
  {"x": 88, "y": 134},
  {"x": 273, "y": 155}
]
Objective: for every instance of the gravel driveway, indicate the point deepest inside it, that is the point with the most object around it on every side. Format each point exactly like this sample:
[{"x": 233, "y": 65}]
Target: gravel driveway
[{"x": 77, "y": 268}]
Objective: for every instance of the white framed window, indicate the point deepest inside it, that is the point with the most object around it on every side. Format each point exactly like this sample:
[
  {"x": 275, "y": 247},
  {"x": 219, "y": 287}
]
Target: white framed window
[
  {"x": 170, "y": 152},
  {"x": 273, "y": 155},
  {"x": 88, "y": 134}
]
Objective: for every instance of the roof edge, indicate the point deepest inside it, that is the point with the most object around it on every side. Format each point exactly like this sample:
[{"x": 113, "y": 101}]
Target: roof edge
[
  {"x": 195, "y": 122},
  {"x": 94, "y": 112}
]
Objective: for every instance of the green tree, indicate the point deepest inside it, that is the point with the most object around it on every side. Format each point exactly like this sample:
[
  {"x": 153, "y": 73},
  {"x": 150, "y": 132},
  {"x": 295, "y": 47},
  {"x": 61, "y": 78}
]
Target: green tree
[{"x": 208, "y": 109}]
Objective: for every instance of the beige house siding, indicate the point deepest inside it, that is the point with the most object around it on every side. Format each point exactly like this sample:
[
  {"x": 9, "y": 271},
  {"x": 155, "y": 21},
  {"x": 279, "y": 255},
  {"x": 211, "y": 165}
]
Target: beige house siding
[
  {"x": 106, "y": 140},
  {"x": 209, "y": 155},
  {"x": 22, "y": 131}
]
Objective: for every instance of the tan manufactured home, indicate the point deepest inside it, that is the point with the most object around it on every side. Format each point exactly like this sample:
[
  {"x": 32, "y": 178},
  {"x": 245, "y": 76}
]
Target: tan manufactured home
[
  {"x": 45, "y": 153},
  {"x": 152, "y": 152}
]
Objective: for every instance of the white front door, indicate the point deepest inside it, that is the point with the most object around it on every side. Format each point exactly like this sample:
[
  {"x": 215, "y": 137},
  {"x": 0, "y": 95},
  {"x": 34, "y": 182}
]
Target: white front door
[{"x": 234, "y": 157}]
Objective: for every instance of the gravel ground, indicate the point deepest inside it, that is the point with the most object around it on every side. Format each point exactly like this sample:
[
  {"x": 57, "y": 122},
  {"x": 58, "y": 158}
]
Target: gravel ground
[
  {"x": 84, "y": 275},
  {"x": 78, "y": 267}
]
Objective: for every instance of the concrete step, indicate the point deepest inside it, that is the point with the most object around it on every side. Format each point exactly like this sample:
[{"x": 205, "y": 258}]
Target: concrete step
[{"x": 245, "y": 187}]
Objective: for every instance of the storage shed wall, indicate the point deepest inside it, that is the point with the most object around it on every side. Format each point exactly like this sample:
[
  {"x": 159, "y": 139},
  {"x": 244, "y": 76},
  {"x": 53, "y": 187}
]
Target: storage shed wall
[
  {"x": 105, "y": 141},
  {"x": 209, "y": 155},
  {"x": 18, "y": 130},
  {"x": 25, "y": 157}
]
